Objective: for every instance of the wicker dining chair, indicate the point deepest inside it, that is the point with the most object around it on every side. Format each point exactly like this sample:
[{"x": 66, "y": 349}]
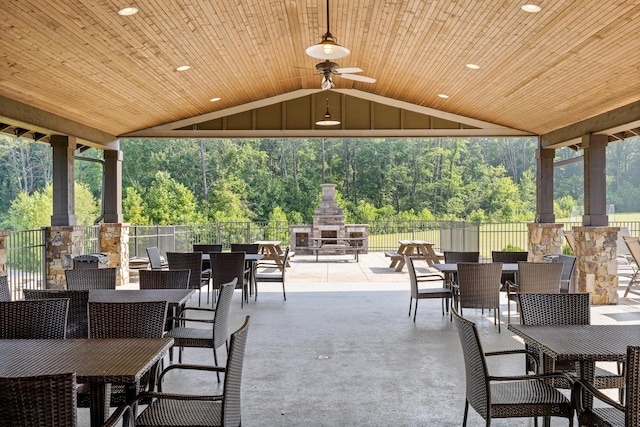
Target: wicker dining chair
[
  {"x": 34, "y": 319},
  {"x": 155, "y": 260},
  {"x": 508, "y": 257},
  {"x": 109, "y": 320},
  {"x": 247, "y": 248},
  {"x": 77, "y": 320},
  {"x": 94, "y": 278},
  {"x": 534, "y": 278},
  {"x": 45, "y": 400},
  {"x": 227, "y": 266},
  {"x": 264, "y": 274},
  {"x": 164, "y": 279},
  {"x": 614, "y": 413},
  {"x": 212, "y": 337},
  {"x": 205, "y": 248},
  {"x": 526, "y": 396},
  {"x": 418, "y": 293},
  {"x": 565, "y": 309},
  {"x": 191, "y": 261},
  {"x": 479, "y": 287},
  {"x": 454, "y": 257},
  {"x": 213, "y": 411},
  {"x": 5, "y": 292}
]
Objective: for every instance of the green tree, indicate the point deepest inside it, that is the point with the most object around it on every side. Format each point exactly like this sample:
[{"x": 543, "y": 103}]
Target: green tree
[
  {"x": 169, "y": 202},
  {"x": 133, "y": 207}
]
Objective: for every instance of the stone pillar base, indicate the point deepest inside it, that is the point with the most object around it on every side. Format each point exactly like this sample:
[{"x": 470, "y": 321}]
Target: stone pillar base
[
  {"x": 114, "y": 242},
  {"x": 544, "y": 239},
  {"x": 596, "y": 265},
  {"x": 63, "y": 243}
]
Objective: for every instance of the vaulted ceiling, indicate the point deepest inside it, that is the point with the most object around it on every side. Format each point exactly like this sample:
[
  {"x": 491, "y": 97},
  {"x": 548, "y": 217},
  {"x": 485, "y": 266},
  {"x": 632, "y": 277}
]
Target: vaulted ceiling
[{"x": 78, "y": 68}]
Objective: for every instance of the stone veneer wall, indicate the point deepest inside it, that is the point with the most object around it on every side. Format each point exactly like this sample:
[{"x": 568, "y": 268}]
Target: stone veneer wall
[
  {"x": 114, "y": 242},
  {"x": 63, "y": 243},
  {"x": 3, "y": 252},
  {"x": 544, "y": 239},
  {"x": 597, "y": 268}
]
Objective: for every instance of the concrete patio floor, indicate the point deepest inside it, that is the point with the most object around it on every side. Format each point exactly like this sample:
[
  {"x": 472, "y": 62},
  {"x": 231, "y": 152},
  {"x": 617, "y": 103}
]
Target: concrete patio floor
[{"x": 342, "y": 350}]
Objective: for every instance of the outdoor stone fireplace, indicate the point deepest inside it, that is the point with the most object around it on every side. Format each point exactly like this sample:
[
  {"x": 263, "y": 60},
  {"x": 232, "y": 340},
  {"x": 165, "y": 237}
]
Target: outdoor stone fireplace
[{"x": 328, "y": 223}]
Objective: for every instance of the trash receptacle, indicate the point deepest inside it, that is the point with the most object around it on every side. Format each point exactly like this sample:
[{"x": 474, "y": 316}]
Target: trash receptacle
[{"x": 90, "y": 261}]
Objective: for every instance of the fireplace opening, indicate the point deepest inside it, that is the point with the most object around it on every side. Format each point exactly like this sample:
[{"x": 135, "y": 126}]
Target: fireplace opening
[{"x": 329, "y": 234}]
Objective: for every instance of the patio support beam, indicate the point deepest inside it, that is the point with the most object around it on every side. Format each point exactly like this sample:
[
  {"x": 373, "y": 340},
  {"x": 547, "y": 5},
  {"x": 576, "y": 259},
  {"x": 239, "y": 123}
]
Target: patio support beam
[
  {"x": 595, "y": 182},
  {"x": 112, "y": 187},
  {"x": 63, "y": 180},
  {"x": 544, "y": 183}
]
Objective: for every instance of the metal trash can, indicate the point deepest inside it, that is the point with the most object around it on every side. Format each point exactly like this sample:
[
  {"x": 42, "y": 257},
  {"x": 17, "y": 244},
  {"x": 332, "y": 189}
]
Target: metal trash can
[{"x": 90, "y": 261}]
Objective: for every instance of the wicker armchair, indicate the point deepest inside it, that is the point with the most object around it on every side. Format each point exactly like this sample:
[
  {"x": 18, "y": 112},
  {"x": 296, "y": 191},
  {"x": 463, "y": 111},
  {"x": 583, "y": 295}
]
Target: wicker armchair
[
  {"x": 278, "y": 276},
  {"x": 94, "y": 278},
  {"x": 212, "y": 337},
  {"x": 220, "y": 410},
  {"x": 227, "y": 266},
  {"x": 421, "y": 293},
  {"x": 34, "y": 319},
  {"x": 5, "y": 293},
  {"x": 45, "y": 400},
  {"x": 191, "y": 261},
  {"x": 614, "y": 414},
  {"x": 534, "y": 278},
  {"x": 205, "y": 248},
  {"x": 77, "y": 320},
  {"x": 108, "y": 320},
  {"x": 479, "y": 287},
  {"x": 247, "y": 248},
  {"x": 452, "y": 257},
  {"x": 507, "y": 257},
  {"x": 565, "y": 309},
  {"x": 505, "y": 397}
]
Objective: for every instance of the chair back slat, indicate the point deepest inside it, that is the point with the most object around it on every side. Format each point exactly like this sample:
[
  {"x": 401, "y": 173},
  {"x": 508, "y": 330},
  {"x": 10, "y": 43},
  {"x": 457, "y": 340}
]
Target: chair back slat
[
  {"x": 478, "y": 391},
  {"x": 77, "y": 319},
  {"x": 94, "y": 278},
  {"x": 164, "y": 279},
  {"x": 34, "y": 319},
  {"x": 38, "y": 401},
  {"x": 231, "y": 408}
]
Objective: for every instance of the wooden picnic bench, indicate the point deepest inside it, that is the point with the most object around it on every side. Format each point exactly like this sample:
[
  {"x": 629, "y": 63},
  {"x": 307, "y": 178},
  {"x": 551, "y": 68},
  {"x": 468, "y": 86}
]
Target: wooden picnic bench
[
  {"x": 417, "y": 250},
  {"x": 342, "y": 245}
]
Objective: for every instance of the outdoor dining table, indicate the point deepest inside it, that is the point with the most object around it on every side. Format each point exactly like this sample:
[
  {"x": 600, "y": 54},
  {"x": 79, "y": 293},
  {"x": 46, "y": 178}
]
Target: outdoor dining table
[
  {"x": 450, "y": 269},
  {"x": 584, "y": 344},
  {"x": 97, "y": 362}
]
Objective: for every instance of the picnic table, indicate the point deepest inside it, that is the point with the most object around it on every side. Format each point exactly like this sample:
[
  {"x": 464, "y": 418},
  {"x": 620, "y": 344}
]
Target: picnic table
[
  {"x": 271, "y": 250},
  {"x": 337, "y": 245},
  {"x": 417, "y": 250}
]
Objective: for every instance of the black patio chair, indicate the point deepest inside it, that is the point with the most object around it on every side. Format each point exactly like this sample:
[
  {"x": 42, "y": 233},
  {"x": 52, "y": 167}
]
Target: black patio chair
[
  {"x": 34, "y": 319},
  {"x": 77, "y": 320}
]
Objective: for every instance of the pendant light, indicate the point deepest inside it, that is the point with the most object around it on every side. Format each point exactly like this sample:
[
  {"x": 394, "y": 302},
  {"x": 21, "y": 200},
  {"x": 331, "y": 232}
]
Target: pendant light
[
  {"x": 326, "y": 119},
  {"x": 328, "y": 48}
]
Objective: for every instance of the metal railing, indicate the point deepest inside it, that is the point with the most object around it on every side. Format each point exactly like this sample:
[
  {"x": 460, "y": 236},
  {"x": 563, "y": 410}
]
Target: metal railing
[{"x": 26, "y": 248}]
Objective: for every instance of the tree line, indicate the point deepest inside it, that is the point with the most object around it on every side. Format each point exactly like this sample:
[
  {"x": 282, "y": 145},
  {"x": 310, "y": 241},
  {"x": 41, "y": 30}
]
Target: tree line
[{"x": 179, "y": 181}]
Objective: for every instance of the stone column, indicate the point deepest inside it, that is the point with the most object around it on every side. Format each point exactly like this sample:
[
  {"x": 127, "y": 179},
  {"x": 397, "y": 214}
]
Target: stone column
[
  {"x": 544, "y": 239},
  {"x": 114, "y": 242},
  {"x": 596, "y": 266},
  {"x": 3, "y": 252},
  {"x": 63, "y": 243}
]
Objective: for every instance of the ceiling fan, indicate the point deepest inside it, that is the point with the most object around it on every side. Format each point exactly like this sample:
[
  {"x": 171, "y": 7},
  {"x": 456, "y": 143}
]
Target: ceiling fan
[
  {"x": 329, "y": 49},
  {"x": 329, "y": 69}
]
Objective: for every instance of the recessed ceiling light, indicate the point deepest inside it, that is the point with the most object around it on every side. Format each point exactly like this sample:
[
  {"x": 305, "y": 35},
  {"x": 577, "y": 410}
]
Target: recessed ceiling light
[
  {"x": 442, "y": 95},
  {"x": 128, "y": 11},
  {"x": 473, "y": 66},
  {"x": 531, "y": 8},
  {"x": 183, "y": 68},
  {"x": 214, "y": 99}
]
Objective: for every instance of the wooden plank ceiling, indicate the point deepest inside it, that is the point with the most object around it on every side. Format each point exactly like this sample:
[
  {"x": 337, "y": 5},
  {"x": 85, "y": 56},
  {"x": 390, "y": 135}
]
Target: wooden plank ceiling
[{"x": 74, "y": 64}]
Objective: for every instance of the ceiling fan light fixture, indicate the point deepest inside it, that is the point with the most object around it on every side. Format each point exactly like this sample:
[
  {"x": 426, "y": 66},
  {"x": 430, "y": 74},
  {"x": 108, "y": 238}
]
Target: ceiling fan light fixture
[{"x": 326, "y": 119}]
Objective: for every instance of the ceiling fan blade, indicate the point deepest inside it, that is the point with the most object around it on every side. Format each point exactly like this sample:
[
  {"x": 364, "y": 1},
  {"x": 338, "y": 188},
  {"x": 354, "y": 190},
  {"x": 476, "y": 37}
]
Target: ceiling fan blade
[
  {"x": 348, "y": 70},
  {"x": 358, "y": 78}
]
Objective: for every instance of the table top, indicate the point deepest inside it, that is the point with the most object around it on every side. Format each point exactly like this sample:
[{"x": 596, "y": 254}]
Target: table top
[
  {"x": 174, "y": 297},
  {"x": 93, "y": 360},
  {"x": 453, "y": 268},
  {"x": 247, "y": 257},
  {"x": 267, "y": 242},
  {"x": 581, "y": 342},
  {"x": 414, "y": 242}
]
